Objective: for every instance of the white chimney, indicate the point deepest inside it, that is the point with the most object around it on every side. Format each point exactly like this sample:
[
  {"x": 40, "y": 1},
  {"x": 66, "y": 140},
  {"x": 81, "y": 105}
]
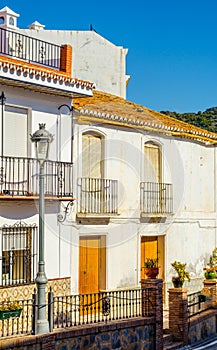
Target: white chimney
[
  {"x": 8, "y": 18},
  {"x": 36, "y": 26}
]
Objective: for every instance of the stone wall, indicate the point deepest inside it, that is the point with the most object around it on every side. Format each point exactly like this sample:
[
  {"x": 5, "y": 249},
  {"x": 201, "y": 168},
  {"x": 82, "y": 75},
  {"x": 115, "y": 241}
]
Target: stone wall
[
  {"x": 118, "y": 335},
  {"x": 197, "y": 328},
  {"x": 202, "y": 326}
]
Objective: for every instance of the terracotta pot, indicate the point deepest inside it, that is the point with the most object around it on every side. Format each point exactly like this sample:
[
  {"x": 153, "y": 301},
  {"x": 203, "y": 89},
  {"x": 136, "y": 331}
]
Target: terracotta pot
[{"x": 151, "y": 272}]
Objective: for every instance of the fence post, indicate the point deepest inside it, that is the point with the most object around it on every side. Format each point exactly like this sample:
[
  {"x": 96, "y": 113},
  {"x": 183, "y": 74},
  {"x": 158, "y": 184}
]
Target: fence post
[
  {"x": 211, "y": 284},
  {"x": 34, "y": 312},
  {"x": 178, "y": 314},
  {"x": 50, "y": 309},
  {"x": 152, "y": 299}
]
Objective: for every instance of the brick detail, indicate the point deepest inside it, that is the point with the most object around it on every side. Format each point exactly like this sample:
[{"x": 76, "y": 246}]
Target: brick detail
[
  {"x": 178, "y": 314},
  {"x": 66, "y": 59},
  {"x": 155, "y": 300}
]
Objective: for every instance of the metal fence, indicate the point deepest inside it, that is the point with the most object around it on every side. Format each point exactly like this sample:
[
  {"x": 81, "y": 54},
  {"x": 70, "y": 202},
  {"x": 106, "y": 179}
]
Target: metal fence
[
  {"x": 29, "y": 49},
  {"x": 97, "y": 196},
  {"x": 14, "y": 325},
  {"x": 84, "y": 309},
  {"x": 20, "y": 177},
  {"x": 156, "y": 198},
  {"x": 77, "y": 310},
  {"x": 198, "y": 303}
]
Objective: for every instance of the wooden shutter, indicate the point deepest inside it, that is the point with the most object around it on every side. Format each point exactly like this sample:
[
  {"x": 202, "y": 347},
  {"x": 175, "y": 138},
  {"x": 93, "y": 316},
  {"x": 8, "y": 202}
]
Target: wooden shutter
[
  {"x": 152, "y": 162},
  {"x": 91, "y": 156},
  {"x": 15, "y": 132}
]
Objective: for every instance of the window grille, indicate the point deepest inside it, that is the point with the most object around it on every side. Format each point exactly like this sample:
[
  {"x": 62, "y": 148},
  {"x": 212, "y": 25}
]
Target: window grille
[{"x": 19, "y": 254}]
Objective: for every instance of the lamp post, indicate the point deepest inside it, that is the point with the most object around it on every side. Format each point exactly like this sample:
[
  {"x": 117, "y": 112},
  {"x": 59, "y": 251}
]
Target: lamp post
[{"x": 42, "y": 139}]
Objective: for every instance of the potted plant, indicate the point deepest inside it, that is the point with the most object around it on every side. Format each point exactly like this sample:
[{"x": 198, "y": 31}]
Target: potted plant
[
  {"x": 210, "y": 272},
  {"x": 211, "y": 268},
  {"x": 180, "y": 268},
  {"x": 151, "y": 267},
  {"x": 10, "y": 309}
]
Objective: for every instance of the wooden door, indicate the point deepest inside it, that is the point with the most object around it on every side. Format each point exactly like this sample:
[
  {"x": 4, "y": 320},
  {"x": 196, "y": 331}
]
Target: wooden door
[
  {"x": 92, "y": 264},
  {"x": 153, "y": 247}
]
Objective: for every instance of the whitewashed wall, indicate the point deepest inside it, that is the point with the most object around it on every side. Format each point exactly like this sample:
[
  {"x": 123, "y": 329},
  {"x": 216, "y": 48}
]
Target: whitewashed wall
[
  {"x": 44, "y": 109},
  {"x": 94, "y": 58},
  {"x": 190, "y": 234}
]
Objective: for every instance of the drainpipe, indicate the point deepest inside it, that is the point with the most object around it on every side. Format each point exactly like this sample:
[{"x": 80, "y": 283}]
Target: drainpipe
[{"x": 2, "y": 99}]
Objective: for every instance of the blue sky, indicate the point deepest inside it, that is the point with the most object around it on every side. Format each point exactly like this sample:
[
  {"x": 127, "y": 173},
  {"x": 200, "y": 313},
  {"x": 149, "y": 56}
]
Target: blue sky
[{"x": 172, "y": 58}]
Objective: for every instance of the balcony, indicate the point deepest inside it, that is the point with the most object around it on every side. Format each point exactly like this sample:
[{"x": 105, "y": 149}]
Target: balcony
[
  {"x": 19, "y": 177},
  {"x": 97, "y": 197},
  {"x": 29, "y": 49},
  {"x": 156, "y": 199}
]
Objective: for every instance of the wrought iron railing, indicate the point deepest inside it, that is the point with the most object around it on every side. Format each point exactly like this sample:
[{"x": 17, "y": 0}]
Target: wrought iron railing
[
  {"x": 198, "y": 303},
  {"x": 156, "y": 198},
  {"x": 77, "y": 310},
  {"x": 13, "y": 324},
  {"x": 83, "y": 309},
  {"x": 20, "y": 177},
  {"x": 29, "y": 49},
  {"x": 97, "y": 196}
]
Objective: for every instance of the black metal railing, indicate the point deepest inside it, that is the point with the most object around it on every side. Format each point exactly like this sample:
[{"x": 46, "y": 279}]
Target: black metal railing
[
  {"x": 97, "y": 196},
  {"x": 20, "y": 177},
  {"x": 29, "y": 49},
  {"x": 83, "y": 309},
  {"x": 16, "y": 325},
  {"x": 156, "y": 198},
  {"x": 19, "y": 254},
  {"x": 198, "y": 303}
]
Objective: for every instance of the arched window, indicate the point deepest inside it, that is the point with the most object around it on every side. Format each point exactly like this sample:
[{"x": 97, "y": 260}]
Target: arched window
[
  {"x": 92, "y": 155},
  {"x": 11, "y": 21},
  {"x": 2, "y": 20},
  {"x": 152, "y": 162}
]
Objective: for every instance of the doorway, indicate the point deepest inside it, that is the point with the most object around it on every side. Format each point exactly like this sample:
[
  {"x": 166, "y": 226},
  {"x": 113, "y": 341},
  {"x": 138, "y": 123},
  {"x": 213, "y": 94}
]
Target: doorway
[
  {"x": 152, "y": 247},
  {"x": 92, "y": 264}
]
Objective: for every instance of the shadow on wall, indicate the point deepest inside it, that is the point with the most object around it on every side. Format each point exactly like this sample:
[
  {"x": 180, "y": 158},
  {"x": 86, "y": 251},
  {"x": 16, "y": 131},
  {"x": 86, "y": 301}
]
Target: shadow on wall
[{"x": 17, "y": 210}]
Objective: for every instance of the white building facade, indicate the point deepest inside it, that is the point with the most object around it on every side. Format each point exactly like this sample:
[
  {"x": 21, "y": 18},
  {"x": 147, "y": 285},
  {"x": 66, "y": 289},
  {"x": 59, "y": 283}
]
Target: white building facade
[
  {"x": 123, "y": 183},
  {"x": 94, "y": 57},
  {"x": 163, "y": 204}
]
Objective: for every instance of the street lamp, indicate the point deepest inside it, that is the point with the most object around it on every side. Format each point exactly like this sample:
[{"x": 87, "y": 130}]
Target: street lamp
[{"x": 42, "y": 139}]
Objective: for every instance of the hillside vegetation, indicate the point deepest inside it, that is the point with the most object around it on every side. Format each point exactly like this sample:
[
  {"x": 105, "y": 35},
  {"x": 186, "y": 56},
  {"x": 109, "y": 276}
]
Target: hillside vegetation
[{"x": 205, "y": 120}]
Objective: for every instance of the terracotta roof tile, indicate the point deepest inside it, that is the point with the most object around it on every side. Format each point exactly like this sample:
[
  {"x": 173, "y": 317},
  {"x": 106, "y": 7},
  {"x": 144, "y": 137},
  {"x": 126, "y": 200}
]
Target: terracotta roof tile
[{"x": 113, "y": 109}]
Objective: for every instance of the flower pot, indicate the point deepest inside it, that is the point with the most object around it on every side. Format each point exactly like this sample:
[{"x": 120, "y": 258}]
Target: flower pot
[
  {"x": 210, "y": 275},
  {"x": 151, "y": 272},
  {"x": 177, "y": 283},
  {"x": 5, "y": 314}
]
